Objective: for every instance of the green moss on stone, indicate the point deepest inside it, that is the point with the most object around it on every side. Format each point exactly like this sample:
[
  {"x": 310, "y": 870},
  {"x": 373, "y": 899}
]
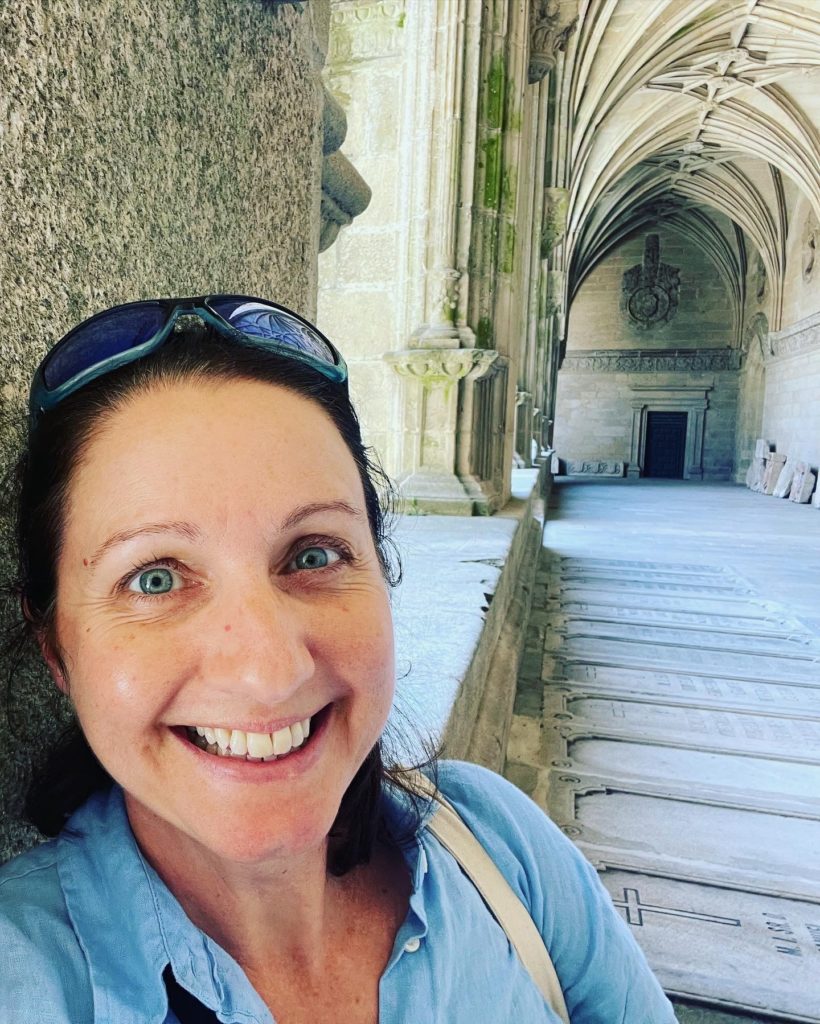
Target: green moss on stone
[
  {"x": 492, "y": 172},
  {"x": 484, "y": 333},
  {"x": 496, "y": 80},
  {"x": 400, "y": 21},
  {"x": 508, "y": 253}
]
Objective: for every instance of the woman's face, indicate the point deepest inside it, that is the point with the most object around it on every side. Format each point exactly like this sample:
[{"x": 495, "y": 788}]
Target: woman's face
[{"x": 218, "y": 571}]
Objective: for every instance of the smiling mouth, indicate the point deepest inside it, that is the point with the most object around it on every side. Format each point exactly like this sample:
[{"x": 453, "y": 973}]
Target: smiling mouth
[{"x": 255, "y": 746}]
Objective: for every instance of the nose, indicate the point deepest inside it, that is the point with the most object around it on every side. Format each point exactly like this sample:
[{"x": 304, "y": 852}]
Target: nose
[{"x": 259, "y": 644}]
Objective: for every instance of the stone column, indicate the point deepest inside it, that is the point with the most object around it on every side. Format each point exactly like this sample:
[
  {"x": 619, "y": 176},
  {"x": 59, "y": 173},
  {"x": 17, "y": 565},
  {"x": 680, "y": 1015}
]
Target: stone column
[{"x": 432, "y": 378}]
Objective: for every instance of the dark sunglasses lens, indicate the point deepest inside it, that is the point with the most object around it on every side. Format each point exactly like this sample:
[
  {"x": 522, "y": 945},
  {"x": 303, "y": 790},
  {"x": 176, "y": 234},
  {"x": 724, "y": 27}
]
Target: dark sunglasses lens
[
  {"x": 100, "y": 338},
  {"x": 259, "y": 320}
]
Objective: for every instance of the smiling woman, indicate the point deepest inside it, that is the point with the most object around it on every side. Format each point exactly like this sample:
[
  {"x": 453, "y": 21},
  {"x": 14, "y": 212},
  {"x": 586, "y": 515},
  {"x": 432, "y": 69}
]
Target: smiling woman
[{"x": 205, "y": 569}]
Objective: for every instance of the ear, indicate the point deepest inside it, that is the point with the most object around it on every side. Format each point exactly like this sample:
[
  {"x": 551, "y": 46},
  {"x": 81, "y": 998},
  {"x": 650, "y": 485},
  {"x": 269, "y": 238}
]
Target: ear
[
  {"x": 54, "y": 663},
  {"x": 48, "y": 649}
]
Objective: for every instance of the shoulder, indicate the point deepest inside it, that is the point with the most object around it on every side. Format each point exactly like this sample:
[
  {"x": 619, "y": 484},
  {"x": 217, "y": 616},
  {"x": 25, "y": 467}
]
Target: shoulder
[
  {"x": 603, "y": 973},
  {"x": 530, "y": 850},
  {"x": 43, "y": 963}
]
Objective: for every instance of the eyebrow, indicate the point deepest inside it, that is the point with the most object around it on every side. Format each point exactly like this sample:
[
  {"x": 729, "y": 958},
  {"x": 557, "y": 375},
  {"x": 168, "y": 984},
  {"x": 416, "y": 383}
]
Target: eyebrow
[
  {"x": 193, "y": 533},
  {"x": 182, "y": 529},
  {"x": 303, "y": 511}
]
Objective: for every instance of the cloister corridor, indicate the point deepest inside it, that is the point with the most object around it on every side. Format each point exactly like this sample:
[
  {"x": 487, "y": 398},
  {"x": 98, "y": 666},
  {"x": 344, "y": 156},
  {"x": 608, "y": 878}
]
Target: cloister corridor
[{"x": 668, "y": 718}]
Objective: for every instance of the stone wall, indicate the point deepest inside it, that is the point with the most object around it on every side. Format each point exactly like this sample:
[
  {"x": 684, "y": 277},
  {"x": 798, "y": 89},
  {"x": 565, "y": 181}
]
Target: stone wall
[
  {"x": 594, "y": 417},
  {"x": 609, "y": 353},
  {"x": 780, "y": 381},
  {"x": 147, "y": 149},
  {"x": 702, "y": 318},
  {"x": 361, "y": 276}
]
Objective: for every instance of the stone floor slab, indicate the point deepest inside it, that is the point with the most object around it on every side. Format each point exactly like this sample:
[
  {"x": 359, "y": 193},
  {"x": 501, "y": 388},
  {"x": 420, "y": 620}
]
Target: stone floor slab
[
  {"x": 769, "y": 949},
  {"x": 681, "y": 733}
]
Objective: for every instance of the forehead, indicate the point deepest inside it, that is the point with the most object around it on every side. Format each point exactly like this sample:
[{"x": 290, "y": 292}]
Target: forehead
[{"x": 215, "y": 447}]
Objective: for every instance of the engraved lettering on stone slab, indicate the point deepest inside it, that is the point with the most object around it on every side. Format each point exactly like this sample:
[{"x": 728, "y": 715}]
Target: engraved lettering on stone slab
[
  {"x": 753, "y": 609},
  {"x": 734, "y": 665},
  {"x": 617, "y": 563},
  {"x": 785, "y": 941},
  {"x": 650, "y": 616},
  {"x": 799, "y": 648},
  {"x": 735, "y": 966},
  {"x": 634, "y": 911},
  {"x": 615, "y": 584}
]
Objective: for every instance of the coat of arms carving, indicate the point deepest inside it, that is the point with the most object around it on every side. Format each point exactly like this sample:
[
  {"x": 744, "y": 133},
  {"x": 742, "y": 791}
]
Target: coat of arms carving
[{"x": 649, "y": 292}]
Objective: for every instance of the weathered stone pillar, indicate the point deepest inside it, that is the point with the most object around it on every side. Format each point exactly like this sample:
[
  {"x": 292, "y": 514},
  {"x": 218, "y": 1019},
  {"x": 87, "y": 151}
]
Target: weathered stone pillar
[{"x": 132, "y": 170}]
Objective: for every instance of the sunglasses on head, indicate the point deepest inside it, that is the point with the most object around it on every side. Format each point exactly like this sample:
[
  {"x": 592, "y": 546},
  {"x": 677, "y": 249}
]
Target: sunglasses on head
[{"x": 123, "y": 334}]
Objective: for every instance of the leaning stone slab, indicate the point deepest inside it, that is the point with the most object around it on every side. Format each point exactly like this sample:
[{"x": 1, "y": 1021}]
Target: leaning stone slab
[
  {"x": 803, "y": 484},
  {"x": 774, "y": 464},
  {"x": 815, "y": 499},
  {"x": 762, "y": 448},
  {"x": 784, "y": 480}
]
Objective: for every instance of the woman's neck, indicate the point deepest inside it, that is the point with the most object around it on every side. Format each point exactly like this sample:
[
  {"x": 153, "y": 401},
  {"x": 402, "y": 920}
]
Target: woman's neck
[{"x": 283, "y": 908}]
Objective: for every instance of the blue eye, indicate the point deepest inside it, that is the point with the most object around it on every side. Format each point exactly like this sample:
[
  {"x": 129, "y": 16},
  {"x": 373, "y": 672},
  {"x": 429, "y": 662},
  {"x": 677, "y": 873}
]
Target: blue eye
[
  {"x": 315, "y": 558},
  {"x": 154, "y": 581}
]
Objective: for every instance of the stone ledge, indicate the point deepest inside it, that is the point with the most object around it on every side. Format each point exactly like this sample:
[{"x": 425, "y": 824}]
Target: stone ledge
[{"x": 461, "y": 616}]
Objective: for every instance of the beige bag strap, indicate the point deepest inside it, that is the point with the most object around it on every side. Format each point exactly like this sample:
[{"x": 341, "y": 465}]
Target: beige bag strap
[{"x": 506, "y": 907}]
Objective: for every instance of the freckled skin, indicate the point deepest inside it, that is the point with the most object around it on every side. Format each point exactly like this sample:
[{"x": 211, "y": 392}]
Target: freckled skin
[{"x": 233, "y": 459}]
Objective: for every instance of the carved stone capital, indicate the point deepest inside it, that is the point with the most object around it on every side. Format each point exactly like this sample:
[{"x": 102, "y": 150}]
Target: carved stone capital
[
  {"x": 551, "y": 21},
  {"x": 433, "y": 367}
]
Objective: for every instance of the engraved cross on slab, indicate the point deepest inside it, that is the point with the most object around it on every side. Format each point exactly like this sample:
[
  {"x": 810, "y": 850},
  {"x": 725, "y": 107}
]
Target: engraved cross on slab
[{"x": 634, "y": 911}]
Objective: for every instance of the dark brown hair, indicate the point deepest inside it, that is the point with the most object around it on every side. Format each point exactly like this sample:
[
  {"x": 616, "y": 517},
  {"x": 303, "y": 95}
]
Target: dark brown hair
[{"x": 43, "y": 479}]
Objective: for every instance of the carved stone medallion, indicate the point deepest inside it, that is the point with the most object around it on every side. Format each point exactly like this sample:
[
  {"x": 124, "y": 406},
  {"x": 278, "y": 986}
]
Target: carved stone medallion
[{"x": 649, "y": 293}]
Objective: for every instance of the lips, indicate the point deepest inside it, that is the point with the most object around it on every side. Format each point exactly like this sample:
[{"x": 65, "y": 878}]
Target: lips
[{"x": 244, "y": 745}]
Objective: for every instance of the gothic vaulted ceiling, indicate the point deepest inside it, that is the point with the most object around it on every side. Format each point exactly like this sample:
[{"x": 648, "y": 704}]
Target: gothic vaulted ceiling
[{"x": 701, "y": 113}]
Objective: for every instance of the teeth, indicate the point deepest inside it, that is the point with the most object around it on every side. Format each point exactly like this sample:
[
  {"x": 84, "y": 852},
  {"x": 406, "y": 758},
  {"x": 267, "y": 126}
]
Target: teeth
[
  {"x": 260, "y": 744},
  {"x": 250, "y": 746},
  {"x": 239, "y": 742},
  {"x": 282, "y": 741}
]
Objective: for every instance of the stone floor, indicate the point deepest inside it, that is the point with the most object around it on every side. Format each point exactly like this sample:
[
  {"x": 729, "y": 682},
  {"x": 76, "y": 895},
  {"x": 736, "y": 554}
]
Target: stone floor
[{"x": 668, "y": 718}]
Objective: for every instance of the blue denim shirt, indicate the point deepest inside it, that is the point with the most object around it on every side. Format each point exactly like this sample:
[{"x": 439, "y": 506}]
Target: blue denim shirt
[{"x": 87, "y": 928}]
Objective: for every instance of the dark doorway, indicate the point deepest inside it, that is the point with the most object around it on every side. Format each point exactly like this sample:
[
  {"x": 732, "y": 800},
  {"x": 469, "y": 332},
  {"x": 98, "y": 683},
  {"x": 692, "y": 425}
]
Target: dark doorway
[{"x": 665, "y": 445}]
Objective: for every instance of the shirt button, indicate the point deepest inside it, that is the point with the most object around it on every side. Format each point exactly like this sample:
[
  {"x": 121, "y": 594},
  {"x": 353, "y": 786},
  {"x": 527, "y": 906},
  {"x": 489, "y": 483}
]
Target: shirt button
[{"x": 412, "y": 945}]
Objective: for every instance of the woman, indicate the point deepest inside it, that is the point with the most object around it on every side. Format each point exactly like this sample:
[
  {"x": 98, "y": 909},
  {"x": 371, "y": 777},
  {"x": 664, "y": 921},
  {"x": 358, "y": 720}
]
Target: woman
[{"x": 203, "y": 566}]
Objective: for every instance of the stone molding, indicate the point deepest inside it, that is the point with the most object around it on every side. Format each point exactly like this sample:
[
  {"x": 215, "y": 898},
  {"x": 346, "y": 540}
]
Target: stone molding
[
  {"x": 365, "y": 31},
  {"x": 662, "y": 361},
  {"x": 799, "y": 338},
  {"x": 436, "y": 366}
]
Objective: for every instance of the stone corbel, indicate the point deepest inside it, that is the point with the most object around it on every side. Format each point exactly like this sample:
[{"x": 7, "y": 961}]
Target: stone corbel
[
  {"x": 432, "y": 367},
  {"x": 345, "y": 193}
]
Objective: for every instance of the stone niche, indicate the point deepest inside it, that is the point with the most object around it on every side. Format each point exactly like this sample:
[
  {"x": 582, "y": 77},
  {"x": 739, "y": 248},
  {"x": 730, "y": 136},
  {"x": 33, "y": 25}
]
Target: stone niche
[{"x": 694, "y": 401}]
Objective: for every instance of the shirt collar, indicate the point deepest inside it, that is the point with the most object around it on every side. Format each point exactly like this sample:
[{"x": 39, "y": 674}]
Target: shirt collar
[{"x": 131, "y": 927}]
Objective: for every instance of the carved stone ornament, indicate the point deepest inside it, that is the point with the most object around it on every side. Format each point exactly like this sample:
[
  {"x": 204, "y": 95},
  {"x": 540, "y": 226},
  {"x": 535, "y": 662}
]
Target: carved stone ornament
[
  {"x": 649, "y": 293},
  {"x": 662, "y": 361},
  {"x": 797, "y": 339},
  {"x": 345, "y": 194},
  {"x": 441, "y": 366},
  {"x": 553, "y": 218},
  {"x": 595, "y": 467},
  {"x": 811, "y": 243},
  {"x": 544, "y": 18}
]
